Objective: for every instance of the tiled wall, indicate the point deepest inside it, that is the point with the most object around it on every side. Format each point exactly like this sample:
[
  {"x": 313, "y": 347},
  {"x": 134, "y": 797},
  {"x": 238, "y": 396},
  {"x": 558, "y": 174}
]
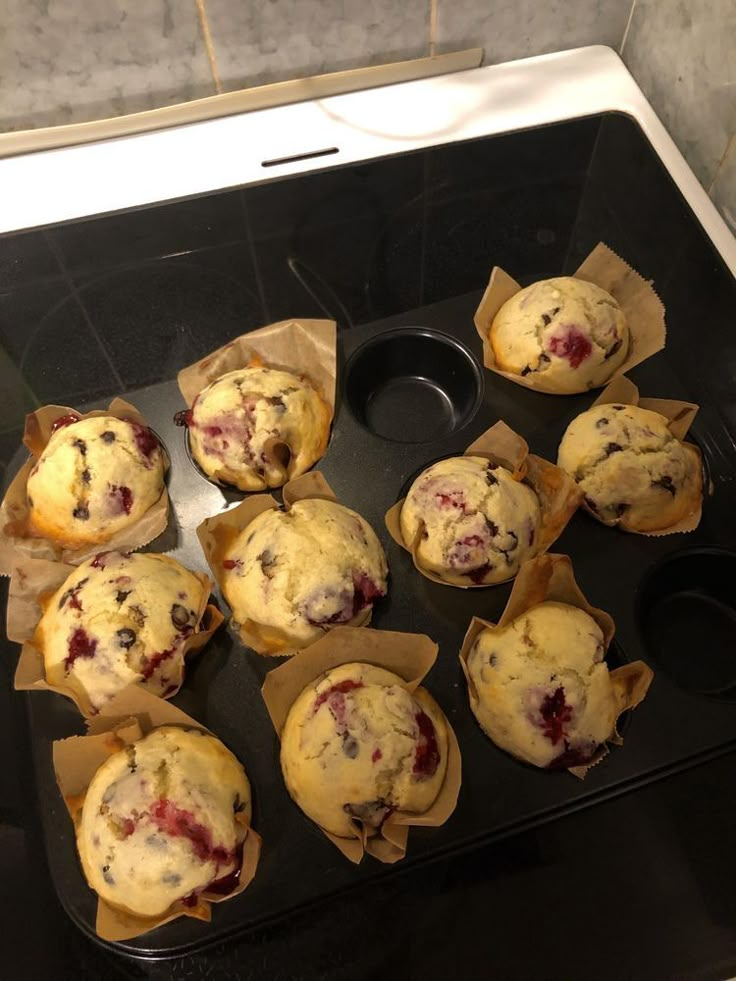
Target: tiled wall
[{"x": 70, "y": 60}]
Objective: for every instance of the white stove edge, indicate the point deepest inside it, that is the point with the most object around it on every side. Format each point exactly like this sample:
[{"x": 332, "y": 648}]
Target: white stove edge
[{"x": 51, "y": 186}]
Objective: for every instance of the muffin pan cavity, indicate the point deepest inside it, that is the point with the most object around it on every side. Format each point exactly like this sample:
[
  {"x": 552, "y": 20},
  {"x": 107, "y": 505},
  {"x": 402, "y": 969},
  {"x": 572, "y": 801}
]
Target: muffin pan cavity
[
  {"x": 413, "y": 385},
  {"x": 686, "y": 609}
]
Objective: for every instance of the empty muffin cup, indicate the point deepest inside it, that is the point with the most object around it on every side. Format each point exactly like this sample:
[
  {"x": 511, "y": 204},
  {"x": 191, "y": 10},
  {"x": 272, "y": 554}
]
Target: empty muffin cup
[
  {"x": 413, "y": 385},
  {"x": 686, "y": 609}
]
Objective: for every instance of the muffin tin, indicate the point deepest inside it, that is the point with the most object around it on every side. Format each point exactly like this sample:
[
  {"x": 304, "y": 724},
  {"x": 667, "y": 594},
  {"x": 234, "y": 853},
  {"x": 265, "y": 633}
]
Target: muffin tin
[
  {"x": 677, "y": 724},
  {"x": 164, "y": 285}
]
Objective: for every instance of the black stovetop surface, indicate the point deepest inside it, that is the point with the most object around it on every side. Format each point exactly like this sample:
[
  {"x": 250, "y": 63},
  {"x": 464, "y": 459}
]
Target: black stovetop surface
[{"x": 637, "y": 887}]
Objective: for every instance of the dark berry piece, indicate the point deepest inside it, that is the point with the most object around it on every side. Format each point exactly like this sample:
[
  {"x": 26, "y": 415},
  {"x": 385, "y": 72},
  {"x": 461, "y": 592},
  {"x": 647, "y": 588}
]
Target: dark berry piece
[
  {"x": 86, "y": 476},
  {"x": 491, "y": 478},
  {"x": 491, "y": 526},
  {"x": 601, "y": 422},
  {"x": 574, "y": 346},
  {"x": 349, "y": 746},
  {"x": 122, "y": 497},
  {"x": 179, "y": 615},
  {"x": 666, "y": 483},
  {"x": 427, "y": 754},
  {"x": 231, "y": 563},
  {"x": 100, "y": 560},
  {"x": 340, "y": 688},
  {"x": 555, "y": 713},
  {"x": 171, "y": 879},
  {"x": 108, "y": 436},
  {"x": 107, "y": 876},
  {"x": 80, "y": 645},
  {"x": 81, "y": 446},
  {"x": 145, "y": 439},
  {"x": 81, "y": 512},
  {"x": 126, "y": 638},
  {"x": 478, "y": 575},
  {"x": 621, "y": 508},
  {"x": 63, "y": 421},
  {"x": 267, "y": 562},
  {"x": 365, "y": 592},
  {"x": 526, "y": 370},
  {"x": 238, "y": 804},
  {"x": 618, "y": 408},
  {"x": 183, "y": 418},
  {"x": 546, "y": 319},
  {"x": 613, "y": 448},
  {"x": 376, "y": 755},
  {"x": 543, "y": 358},
  {"x": 372, "y": 812},
  {"x": 122, "y": 595}
]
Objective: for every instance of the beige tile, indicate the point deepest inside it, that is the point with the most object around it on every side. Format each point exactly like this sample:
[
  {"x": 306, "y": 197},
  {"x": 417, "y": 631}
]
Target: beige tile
[
  {"x": 269, "y": 41},
  {"x": 510, "y": 29},
  {"x": 723, "y": 191},
  {"x": 65, "y": 61},
  {"x": 683, "y": 55}
]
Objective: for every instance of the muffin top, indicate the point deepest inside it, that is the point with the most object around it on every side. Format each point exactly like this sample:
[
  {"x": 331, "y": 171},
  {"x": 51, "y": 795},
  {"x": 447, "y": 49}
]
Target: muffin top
[
  {"x": 634, "y": 472},
  {"x": 297, "y": 573},
  {"x": 158, "y": 822},
  {"x": 356, "y": 746},
  {"x": 258, "y": 427},
  {"x": 117, "y": 620},
  {"x": 570, "y": 334},
  {"x": 542, "y": 690},
  {"x": 479, "y": 523},
  {"x": 95, "y": 477}
]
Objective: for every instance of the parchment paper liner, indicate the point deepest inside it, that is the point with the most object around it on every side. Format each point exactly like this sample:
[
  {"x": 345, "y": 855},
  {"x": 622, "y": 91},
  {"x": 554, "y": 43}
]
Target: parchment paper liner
[
  {"x": 216, "y": 534},
  {"x": 304, "y": 347},
  {"x": 559, "y": 495},
  {"x": 14, "y": 511},
  {"x": 32, "y": 584},
  {"x": 408, "y": 655},
  {"x": 679, "y": 417},
  {"x": 641, "y": 306},
  {"x": 551, "y": 577},
  {"x": 129, "y": 716}
]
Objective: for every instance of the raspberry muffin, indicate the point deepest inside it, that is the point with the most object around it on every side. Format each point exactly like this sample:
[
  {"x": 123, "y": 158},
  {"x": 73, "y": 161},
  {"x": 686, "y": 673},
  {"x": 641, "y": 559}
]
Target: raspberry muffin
[
  {"x": 540, "y": 688},
  {"x": 159, "y": 822},
  {"x": 95, "y": 477},
  {"x": 477, "y": 523},
  {"x": 571, "y": 335},
  {"x": 634, "y": 472},
  {"x": 257, "y": 428},
  {"x": 356, "y": 747},
  {"x": 296, "y": 573},
  {"x": 120, "y": 620}
]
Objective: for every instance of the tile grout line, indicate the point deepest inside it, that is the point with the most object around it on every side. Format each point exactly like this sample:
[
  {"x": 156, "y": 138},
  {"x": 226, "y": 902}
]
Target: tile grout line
[
  {"x": 731, "y": 142},
  {"x": 628, "y": 27},
  {"x": 209, "y": 44},
  {"x": 433, "y": 4}
]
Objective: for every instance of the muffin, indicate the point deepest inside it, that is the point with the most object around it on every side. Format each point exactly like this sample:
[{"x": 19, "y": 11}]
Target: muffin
[
  {"x": 478, "y": 524},
  {"x": 257, "y": 428},
  {"x": 296, "y": 573},
  {"x": 96, "y": 477},
  {"x": 540, "y": 688},
  {"x": 160, "y": 821},
  {"x": 356, "y": 747},
  {"x": 118, "y": 620},
  {"x": 569, "y": 334},
  {"x": 633, "y": 471}
]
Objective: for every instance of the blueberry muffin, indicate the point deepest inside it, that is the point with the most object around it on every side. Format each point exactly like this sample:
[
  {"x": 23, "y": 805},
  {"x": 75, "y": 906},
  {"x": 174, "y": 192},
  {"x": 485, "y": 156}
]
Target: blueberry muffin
[
  {"x": 478, "y": 524},
  {"x": 569, "y": 334},
  {"x": 295, "y": 574},
  {"x": 159, "y": 824},
  {"x": 356, "y": 747},
  {"x": 95, "y": 477},
  {"x": 120, "y": 620},
  {"x": 257, "y": 428},
  {"x": 540, "y": 688},
  {"x": 633, "y": 471}
]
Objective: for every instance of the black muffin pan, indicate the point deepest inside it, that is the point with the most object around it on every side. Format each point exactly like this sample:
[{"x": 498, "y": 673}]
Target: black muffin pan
[{"x": 409, "y": 269}]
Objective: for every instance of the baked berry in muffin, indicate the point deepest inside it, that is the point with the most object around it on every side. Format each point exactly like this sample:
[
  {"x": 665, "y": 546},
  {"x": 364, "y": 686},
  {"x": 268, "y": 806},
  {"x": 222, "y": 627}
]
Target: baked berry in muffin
[
  {"x": 356, "y": 746},
  {"x": 570, "y": 334},
  {"x": 540, "y": 689},
  {"x": 634, "y": 472},
  {"x": 159, "y": 821},
  {"x": 295, "y": 574},
  {"x": 257, "y": 428},
  {"x": 95, "y": 477},
  {"x": 477, "y": 522},
  {"x": 119, "y": 620}
]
